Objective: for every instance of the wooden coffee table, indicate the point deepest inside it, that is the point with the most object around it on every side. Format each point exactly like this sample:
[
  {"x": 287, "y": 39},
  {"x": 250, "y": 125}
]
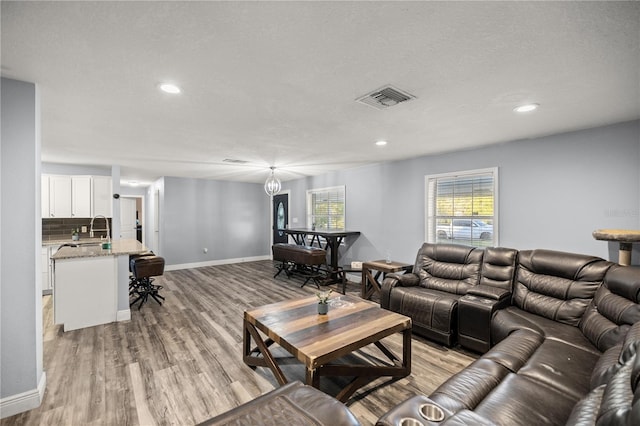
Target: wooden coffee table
[{"x": 317, "y": 340}]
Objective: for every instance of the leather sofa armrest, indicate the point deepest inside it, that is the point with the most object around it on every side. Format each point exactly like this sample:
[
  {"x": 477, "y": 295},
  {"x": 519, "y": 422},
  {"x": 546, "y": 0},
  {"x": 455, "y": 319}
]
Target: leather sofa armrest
[
  {"x": 392, "y": 281},
  {"x": 411, "y": 409},
  {"x": 489, "y": 292},
  {"x": 467, "y": 417},
  {"x": 296, "y": 404},
  {"x": 404, "y": 280},
  {"x": 475, "y": 311}
]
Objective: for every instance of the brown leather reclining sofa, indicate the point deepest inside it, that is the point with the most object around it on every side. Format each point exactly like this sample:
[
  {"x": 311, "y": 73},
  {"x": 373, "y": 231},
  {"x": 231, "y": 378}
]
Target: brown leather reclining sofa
[{"x": 562, "y": 336}]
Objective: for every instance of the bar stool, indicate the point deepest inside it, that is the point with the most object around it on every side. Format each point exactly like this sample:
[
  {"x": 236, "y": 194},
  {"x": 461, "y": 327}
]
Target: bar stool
[
  {"x": 144, "y": 268},
  {"x": 132, "y": 279}
]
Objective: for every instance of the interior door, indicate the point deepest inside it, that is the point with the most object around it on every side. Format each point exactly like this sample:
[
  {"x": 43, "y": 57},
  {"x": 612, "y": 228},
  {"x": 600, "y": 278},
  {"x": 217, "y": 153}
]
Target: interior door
[
  {"x": 156, "y": 221},
  {"x": 128, "y": 226},
  {"x": 280, "y": 217}
]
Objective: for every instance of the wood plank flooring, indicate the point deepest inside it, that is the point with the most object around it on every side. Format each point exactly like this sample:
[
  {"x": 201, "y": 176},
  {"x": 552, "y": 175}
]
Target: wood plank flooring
[{"x": 181, "y": 363}]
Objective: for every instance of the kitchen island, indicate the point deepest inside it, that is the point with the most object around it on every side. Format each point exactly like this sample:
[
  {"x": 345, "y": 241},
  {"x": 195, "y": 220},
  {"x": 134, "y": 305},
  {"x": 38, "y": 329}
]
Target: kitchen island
[{"x": 92, "y": 283}]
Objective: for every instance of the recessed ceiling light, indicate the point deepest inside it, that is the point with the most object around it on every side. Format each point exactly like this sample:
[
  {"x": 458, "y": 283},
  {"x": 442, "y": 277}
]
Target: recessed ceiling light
[
  {"x": 170, "y": 88},
  {"x": 526, "y": 108},
  {"x": 381, "y": 143}
]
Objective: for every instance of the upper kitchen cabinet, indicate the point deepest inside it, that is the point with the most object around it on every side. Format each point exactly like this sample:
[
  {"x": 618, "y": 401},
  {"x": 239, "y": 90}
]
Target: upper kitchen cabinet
[
  {"x": 81, "y": 196},
  {"x": 59, "y": 196},
  {"x": 101, "y": 200},
  {"x": 76, "y": 196}
]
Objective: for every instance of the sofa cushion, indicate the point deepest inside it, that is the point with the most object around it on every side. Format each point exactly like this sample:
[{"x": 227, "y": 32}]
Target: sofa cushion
[
  {"x": 566, "y": 368},
  {"x": 518, "y": 400},
  {"x": 557, "y": 285},
  {"x": 449, "y": 268},
  {"x": 510, "y": 319},
  {"x": 558, "y": 365},
  {"x": 498, "y": 267},
  {"x": 614, "y": 308}
]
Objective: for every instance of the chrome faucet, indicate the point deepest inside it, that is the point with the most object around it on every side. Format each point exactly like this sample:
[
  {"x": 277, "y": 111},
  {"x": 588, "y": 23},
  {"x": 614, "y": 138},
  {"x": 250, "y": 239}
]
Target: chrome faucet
[{"x": 106, "y": 221}]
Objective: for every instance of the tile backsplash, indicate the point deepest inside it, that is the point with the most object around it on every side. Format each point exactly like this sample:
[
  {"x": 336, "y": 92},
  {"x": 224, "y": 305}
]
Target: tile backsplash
[{"x": 60, "y": 229}]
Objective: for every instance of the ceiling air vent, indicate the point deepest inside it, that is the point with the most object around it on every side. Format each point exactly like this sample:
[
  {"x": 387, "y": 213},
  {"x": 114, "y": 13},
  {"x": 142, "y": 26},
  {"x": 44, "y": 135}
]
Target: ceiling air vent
[
  {"x": 385, "y": 97},
  {"x": 234, "y": 161}
]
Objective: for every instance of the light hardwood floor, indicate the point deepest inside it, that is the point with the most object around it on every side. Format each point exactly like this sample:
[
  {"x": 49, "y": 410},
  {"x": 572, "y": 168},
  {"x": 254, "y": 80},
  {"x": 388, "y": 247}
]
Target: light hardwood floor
[{"x": 181, "y": 363}]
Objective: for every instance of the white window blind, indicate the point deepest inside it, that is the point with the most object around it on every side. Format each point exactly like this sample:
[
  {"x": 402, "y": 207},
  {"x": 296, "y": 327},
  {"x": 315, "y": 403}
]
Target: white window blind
[
  {"x": 462, "y": 208},
  {"x": 326, "y": 207}
]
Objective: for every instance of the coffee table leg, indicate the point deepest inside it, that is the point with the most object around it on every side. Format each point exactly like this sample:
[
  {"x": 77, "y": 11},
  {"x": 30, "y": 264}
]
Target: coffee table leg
[
  {"x": 313, "y": 378},
  {"x": 406, "y": 350},
  {"x": 267, "y": 361},
  {"x": 357, "y": 383}
]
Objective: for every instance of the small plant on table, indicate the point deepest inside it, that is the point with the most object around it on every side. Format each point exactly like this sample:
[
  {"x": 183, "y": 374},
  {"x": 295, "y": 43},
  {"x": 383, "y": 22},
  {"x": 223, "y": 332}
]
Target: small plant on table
[{"x": 323, "y": 297}]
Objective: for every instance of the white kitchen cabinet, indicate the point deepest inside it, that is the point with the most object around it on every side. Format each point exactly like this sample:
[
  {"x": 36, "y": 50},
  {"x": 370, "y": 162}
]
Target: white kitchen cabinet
[
  {"x": 85, "y": 292},
  {"x": 81, "y": 196},
  {"x": 46, "y": 284},
  {"x": 59, "y": 196},
  {"x": 44, "y": 195},
  {"x": 101, "y": 204},
  {"x": 47, "y": 268},
  {"x": 75, "y": 196}
]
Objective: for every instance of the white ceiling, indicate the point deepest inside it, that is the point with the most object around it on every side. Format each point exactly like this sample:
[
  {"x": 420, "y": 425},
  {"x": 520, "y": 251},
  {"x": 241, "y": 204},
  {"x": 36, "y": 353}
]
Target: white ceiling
[{"x": 275, "y": 83}]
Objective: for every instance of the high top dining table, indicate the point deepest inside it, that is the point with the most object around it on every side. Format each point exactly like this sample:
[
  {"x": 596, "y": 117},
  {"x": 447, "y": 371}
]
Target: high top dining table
[
  {"x": 624, "y": 237},
  {"x": 333, "y": 238}
]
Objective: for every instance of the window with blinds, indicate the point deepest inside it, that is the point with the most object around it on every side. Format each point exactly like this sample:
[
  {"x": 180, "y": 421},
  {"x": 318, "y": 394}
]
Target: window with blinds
[
  {"x": 326, "y": 207},
  {"x": 462, "y": 208}
]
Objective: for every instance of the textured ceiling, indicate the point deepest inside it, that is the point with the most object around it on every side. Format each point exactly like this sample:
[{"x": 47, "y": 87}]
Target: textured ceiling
[{"x": 275, "y": 83}]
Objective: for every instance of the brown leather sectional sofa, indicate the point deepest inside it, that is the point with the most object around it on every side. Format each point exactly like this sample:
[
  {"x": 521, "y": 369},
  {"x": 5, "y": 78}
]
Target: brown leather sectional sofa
[
  {"x": 559, "y": 333},
  {"x": 563, "y": 336}
]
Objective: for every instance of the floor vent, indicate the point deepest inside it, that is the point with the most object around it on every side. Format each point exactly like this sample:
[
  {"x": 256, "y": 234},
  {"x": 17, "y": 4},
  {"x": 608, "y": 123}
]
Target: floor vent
[{"x": 385, "y": 97}]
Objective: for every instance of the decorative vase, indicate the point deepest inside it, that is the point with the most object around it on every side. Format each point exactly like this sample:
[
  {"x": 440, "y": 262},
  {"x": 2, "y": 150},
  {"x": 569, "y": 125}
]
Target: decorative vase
[
  {"x": 75, "y": 237},
  {"x": 323, "y": 308}
]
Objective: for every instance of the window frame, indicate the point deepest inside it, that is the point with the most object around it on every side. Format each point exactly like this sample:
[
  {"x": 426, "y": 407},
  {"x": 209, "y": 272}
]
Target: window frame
[
  {"x": 309, "y": 197},
  {"x": 431, "y": 219}
]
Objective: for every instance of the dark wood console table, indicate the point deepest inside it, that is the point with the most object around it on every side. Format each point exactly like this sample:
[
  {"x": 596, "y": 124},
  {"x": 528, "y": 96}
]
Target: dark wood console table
[{"x": 333, "y": 238}]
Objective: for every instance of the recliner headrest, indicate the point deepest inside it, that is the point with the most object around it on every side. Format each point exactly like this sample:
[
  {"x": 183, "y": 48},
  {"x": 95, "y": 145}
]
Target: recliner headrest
[
  {"x": 624, "y": 281},
  {"x": 571, "y": 266}
]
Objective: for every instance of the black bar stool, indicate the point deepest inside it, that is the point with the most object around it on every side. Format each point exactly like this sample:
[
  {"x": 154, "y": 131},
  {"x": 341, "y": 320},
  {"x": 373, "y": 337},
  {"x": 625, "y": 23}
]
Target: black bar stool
[
  {"x": 141, "y": 285},
  {"x": 132, "y": 279}
]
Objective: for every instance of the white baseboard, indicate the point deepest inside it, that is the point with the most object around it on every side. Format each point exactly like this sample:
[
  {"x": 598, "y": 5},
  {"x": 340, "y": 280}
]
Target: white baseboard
[
  {"x": 215, "y": 263},
  {"x": 124, "y": 315},
  {"x": 25, "y": 401}
]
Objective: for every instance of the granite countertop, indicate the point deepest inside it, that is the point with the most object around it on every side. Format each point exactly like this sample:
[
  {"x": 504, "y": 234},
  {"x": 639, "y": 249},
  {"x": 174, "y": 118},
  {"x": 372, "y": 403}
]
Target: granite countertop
[
  {"x": 59, "y": 241},
  {"x": 118, "y": 247}
]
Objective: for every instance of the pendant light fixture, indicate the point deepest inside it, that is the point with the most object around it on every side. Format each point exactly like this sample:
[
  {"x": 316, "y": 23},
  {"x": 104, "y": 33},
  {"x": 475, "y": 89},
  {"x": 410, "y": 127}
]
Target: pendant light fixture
[{"x": 272, "y": 186}]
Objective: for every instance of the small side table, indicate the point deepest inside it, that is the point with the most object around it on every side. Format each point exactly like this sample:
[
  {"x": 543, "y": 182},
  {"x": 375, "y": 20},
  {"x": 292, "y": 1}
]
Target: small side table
[
  {"x": 624, "y": 237},
  {"x": 371, "y": 283}
]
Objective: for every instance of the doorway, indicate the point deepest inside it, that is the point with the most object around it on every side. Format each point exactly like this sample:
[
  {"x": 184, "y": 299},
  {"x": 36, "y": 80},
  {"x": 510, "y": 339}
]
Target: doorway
[
  {"x": 280, "y": 211},
  {"x": 131, "y": 218}
]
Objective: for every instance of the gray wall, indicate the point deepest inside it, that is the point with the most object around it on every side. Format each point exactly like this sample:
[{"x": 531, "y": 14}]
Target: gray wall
[
  {"x": 230, "y": 219},
  {"x": 21, "y": 239},
  {"x": 554, "y": 192}
]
